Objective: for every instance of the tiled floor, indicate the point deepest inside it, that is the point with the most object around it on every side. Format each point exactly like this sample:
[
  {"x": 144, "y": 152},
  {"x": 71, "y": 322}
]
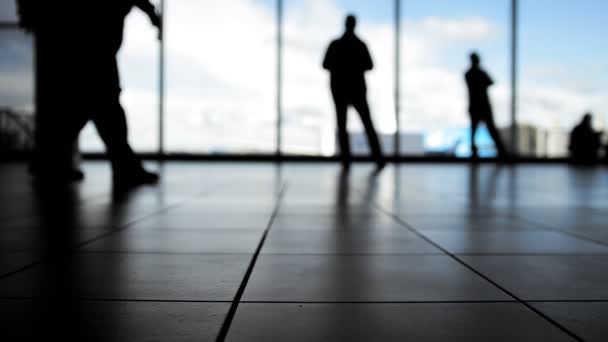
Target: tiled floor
[{"x": 305, "y": 252}]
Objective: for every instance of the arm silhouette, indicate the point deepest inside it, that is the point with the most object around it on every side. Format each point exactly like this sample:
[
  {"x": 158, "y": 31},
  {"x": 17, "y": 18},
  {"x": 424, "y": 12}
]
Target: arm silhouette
[
  {"x": 329, "y": 62},
  {"x": 368, "y": 64}
]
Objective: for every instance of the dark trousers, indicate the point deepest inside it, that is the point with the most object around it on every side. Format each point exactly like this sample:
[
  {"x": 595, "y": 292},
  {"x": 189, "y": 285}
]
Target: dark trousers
[
  {"x": 71, "y": 90},
  {"x": 110, "y": 121},
  {"x": 488, "y": 119},
  {"x": 360, "y": 104},
  {"x": 53, "y": 146}
]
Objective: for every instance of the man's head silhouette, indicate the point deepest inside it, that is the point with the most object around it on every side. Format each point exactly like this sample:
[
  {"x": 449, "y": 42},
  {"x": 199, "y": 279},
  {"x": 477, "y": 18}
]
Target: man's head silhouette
[
  {"x": 587, "y": 119},
  {"x": 351, "y": 23},
  {"x": 475, "y": 59}
]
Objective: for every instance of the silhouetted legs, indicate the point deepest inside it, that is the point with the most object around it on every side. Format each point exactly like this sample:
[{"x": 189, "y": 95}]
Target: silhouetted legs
[
  {"x": 343, "y": 138},
  {"x": 111, "y": 124},
  {"x": 500, "y": 147},
  {"x": 491, "y": 126},
  {"x": 362, "y": 107},
  {"x": 474, "y": 125},
  {"x": 52, "y": 157}
]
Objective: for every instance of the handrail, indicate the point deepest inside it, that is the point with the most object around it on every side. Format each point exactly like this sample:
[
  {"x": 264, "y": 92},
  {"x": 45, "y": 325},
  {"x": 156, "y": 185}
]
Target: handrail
[{"x": 18, "y": 122}]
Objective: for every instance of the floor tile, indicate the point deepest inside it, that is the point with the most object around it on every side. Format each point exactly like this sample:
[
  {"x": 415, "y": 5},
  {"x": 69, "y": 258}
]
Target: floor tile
[
  {"x": 178, "y": 241},
  {"x": 391, "y": 322},
  {"x": 563, "y": 277},
  {"x": 356, "y": 241},
  {"x": 12, "y": 261},
  {"x": 112, "y": 321},
  {"x": 210, "y": 221},
  {"x": 133, "y": 276},
  {"x": 586, "y": 320},
  {"x": 468, "y": 223},
  {"x": 522, "y": 242},
  {"x": 313, "y": 278},
  {"x": 334, "y": 222}
]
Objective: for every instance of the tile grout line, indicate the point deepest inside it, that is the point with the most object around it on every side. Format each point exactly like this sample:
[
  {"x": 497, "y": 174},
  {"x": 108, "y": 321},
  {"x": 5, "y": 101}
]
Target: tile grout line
[
  {"x": 223, "y": 333},
  {"x": 557, "y": 230},
  {"x": 478, "y": 273}
]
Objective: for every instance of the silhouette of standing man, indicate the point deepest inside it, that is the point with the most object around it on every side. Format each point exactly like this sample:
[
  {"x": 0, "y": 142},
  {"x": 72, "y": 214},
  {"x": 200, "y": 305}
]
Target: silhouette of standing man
[
  {"x": 347, "y": 59},
  {"x": 480, "y": 108}
]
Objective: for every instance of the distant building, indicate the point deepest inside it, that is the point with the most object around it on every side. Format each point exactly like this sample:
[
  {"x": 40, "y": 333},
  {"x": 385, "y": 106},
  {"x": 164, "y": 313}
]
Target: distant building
[{"x": 533, "y": 141}]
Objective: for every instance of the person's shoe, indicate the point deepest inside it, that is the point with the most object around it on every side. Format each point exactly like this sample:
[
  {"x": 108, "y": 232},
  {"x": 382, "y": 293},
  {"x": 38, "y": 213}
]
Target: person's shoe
[{"x": 135, "y": 178}]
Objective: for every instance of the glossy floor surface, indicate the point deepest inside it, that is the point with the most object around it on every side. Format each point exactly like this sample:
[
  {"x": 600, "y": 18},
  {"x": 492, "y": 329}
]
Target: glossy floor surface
[{"x": 307, "y": 252}]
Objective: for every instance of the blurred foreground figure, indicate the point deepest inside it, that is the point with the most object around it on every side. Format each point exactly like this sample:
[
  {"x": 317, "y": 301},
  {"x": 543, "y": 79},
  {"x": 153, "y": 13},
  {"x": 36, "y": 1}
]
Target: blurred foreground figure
[
  {"x": 480, "y": 108},
  {"x": 347, "y": 59},
  {"x": 78, "y": 81},
  {"x": 585, "y": 142}
]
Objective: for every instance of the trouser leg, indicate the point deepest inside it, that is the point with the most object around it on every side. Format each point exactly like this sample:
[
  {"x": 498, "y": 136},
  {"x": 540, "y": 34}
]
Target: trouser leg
[
  {"x": 500, "y": 147},
  {"x": 341, "y": 120},
  {"x": 111, "y": 124},
  {"x": 474, "y": 125},
  {"x": 362, "y": 108},
  {"x": 52, "y": 154}
]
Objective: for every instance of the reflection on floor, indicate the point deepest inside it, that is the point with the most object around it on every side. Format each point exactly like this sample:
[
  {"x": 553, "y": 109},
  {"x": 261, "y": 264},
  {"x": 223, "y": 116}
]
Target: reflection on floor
[{"x": 305, "y": 252}]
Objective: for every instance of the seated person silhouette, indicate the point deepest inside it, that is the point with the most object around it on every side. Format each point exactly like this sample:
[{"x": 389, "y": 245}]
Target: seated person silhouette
[
  {"x": 480, "y": 108},
  {"x": 347, "y": 59},
  {"x": 585, "y": 142}
]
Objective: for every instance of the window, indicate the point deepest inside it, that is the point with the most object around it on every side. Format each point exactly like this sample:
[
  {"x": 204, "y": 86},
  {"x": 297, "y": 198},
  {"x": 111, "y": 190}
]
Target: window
[
  {"x": 308, "y": 110},
  {"x": 563, "y": 72},
  {"x": 16, "y": 68},
  {"x": 221, "y": 76},
  {"x": 437, "y": 39}
]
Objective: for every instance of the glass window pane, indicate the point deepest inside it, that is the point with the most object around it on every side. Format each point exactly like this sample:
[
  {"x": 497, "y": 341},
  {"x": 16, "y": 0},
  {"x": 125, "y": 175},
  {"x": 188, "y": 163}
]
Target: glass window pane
[
  {"x": 221, "y": 76},
  {"x": 138, "y": 64},
  {"x": 16, "y": 67},
  {"x": 8, "y": 11},
  {"x": 16, "y": 90},
  {"x": 563, "y": 72},
  {"x": 309, "y": 121},
  {"x": 437, "y": 38}
]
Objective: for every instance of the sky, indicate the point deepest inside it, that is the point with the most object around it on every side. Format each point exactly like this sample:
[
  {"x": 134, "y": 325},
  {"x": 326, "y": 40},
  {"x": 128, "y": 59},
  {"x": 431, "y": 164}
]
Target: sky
[{"x": 221, "y": 69}]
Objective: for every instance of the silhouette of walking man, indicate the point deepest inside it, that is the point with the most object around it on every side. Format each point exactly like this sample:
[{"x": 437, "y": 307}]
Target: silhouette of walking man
[
  {"x": 480, "y": 108},
  {"x": 79, "y": 42},
  {"x": 106, "y": 37},
  {"x": 347, "y": 59}
]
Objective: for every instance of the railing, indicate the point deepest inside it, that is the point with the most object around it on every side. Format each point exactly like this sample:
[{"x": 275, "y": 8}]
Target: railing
[{"x": 16, "y": 131}]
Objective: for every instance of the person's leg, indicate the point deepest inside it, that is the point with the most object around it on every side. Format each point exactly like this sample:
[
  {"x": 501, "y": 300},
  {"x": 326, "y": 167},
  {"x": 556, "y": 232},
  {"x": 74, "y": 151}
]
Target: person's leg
[
  {"x": 362, "y": 108},
  {"x": 474, "y": 125},
  {"x": 500, "y": 147},
  {"x": 341, "y": 121},
  {"x": 52, "y": 157},
  {"x": 111, "y": 124}
]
